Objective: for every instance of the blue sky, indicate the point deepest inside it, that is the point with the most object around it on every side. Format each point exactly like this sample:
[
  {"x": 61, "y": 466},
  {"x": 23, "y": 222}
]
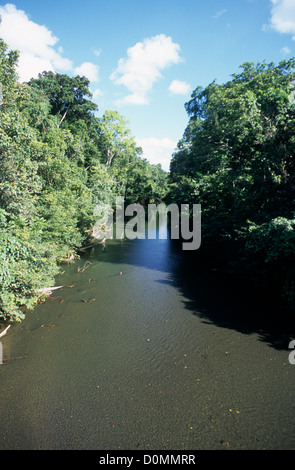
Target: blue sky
[{"x": 145, "y": 57}]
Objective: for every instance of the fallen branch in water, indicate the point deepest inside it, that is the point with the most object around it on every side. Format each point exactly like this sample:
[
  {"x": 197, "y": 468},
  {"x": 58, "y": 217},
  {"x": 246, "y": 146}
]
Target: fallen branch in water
[
  {"x": 4, "y": 331},
  {"x": 14, "y": 359},
  {"x": 84, "y": 267},
  {"x": 92, "y": 246},
  {"x": 48, "y": 290}
]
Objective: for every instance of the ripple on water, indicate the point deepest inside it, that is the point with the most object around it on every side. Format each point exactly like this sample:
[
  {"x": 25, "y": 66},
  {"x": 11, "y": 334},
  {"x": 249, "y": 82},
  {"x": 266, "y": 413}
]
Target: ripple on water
[{"x": 142, "y": 364}]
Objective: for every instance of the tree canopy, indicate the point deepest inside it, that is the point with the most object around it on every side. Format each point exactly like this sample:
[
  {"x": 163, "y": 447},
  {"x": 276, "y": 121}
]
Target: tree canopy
[
  {"x": 236, "y": 159},
  {"x": 58, "y": 159}
]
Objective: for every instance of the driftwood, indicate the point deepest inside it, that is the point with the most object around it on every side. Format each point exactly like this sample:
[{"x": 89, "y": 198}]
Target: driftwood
[
  {"x": 4, "y": 331},
  {"x": 92, "y": 246},
  {"x": 84, "y": 267},
  {"x": 14, "y": 359},
  {"x": 48, "y": 290},
  {"x": 69, "y": 259}
]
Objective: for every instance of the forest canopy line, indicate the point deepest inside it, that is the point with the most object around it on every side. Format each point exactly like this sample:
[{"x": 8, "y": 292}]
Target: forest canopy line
[
  {"x": 57, "y": 161},
  {"x": 236, "y": 159}
]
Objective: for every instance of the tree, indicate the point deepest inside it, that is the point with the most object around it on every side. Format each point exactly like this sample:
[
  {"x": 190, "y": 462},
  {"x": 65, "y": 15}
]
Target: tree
[
  {"x": 68, "y": 96},
  {"x": 146, "y": 183},
  {"x": 57, "y": 161},
  {"x": 238, "y": 155},
  {"x": 8, "y": 62},
  {"x": 115, "y": 139}
]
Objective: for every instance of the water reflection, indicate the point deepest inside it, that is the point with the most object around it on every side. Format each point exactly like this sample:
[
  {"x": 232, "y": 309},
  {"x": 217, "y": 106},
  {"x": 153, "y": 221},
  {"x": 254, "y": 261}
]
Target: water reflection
[
  {"x": 219, "y": 298},
  {"x": 216, "y": 297},
  {"x": 143, "y": 352}
]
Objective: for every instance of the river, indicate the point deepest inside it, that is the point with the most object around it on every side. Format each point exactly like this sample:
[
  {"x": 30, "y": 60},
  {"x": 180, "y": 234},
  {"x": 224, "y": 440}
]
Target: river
[{"x": 145, "y": 350}]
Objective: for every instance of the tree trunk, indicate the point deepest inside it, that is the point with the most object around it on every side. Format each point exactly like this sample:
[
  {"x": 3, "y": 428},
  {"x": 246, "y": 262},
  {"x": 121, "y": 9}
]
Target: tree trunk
[
  {"x": 63, "y": 118},
  {"x": 110, "y": 158}
]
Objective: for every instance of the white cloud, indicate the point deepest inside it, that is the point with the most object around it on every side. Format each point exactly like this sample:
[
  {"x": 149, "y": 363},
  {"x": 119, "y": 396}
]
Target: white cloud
[
  {"x": 285, "y": 51},
  {"x": 220, "y": 13},
  {"x": 178, "y": 87},
  {"x": 143, "y": 65},
  {"x": 35, "y": 42},
  {"x": 29, "y": 66},
  {"x": 97, "y": 93},
  {"x": 88, "y": 70},
  {"x": 283, "y": 16},
  {"x": 137, "y": 99},
  {"x": 158, "y": 150},
  {"x": 97, "y": 52}
]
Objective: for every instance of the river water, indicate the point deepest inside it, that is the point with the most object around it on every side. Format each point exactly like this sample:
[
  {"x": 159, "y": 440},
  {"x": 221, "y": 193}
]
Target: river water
[{"x": 143, "y": 349}]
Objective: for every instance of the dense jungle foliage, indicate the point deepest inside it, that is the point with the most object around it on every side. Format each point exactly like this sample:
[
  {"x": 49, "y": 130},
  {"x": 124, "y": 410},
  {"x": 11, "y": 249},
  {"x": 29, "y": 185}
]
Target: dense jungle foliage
[
  {"x": 237, "y": 159},
  {"x": 57, "y": 161}
]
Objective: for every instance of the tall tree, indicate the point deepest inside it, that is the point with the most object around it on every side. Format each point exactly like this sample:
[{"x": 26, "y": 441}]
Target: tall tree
[
  {"x": 237, "y": 159},
  {"x": 8, "y": 62},
  {"x": 70, "y": 98},
  {"x": 115, "y": 139}
]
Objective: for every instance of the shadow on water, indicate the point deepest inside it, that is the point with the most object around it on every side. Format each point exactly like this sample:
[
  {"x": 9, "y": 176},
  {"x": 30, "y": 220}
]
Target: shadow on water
[
  {"x": 221, "y": 299},
  {"x": 214, "y": 296}
]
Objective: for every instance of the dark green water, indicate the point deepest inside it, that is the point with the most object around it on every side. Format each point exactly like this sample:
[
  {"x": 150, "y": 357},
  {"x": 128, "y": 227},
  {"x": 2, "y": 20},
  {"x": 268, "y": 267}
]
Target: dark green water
[{"x": 147, "y": 351}]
